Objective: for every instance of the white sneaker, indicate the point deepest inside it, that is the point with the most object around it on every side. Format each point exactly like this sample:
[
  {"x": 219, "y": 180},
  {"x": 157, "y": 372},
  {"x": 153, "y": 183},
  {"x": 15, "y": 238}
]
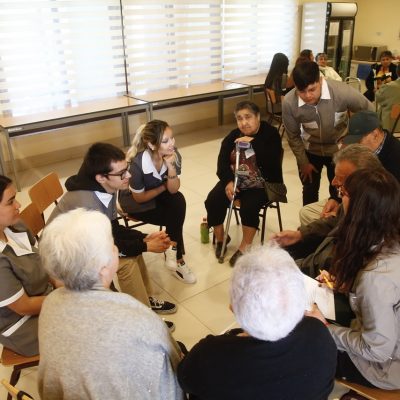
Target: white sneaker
[
  {"x": 170, "y": 259},
  {"x": 184, "y": 273}
]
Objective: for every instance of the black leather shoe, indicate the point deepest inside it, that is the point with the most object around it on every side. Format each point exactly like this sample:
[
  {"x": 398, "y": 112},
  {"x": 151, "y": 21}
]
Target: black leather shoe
[
  {"x": 218, "y": 248},
  {"x": 234, "y": 258}
]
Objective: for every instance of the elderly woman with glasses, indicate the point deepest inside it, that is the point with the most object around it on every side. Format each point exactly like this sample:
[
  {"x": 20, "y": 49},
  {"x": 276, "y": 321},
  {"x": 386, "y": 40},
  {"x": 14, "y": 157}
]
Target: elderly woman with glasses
[
  {"x": 365, "y": 268},
  {"x": 153, "y": 196},
  {"x": 95, "y": 343}
]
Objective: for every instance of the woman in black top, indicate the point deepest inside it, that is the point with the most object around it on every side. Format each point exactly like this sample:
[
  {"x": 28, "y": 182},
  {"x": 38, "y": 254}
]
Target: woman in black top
[{"x": 261, "y": 161}]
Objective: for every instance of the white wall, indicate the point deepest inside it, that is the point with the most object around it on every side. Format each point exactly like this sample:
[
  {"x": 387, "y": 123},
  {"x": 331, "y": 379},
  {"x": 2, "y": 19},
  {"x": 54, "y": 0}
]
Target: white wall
[{"x": 377, "y": 23}]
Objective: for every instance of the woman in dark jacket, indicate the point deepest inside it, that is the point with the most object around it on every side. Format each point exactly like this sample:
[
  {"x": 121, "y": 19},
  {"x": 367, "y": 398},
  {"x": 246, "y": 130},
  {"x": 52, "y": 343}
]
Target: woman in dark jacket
[{"x": 260, "y": 161}]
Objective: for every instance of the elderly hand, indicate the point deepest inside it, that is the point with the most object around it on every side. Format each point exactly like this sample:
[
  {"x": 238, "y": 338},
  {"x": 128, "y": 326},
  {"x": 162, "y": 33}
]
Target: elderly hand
[
  {"x": 286, "y": 238},
  {"x": 229, "y": 190},
  {"x": 330, "y": 209},
  {"x": 306, "y": 172},
  {"x": 244, "y": 139},
  {"x": 157, "y": 242}
]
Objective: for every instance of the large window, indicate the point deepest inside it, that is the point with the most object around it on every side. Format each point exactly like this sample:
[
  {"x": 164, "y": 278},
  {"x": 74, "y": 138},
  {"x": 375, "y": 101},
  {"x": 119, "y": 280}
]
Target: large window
[
  {"x": 172, "y": 43},
  {"x": 254, "y": 30},
  {"x": 54, "y": 53},
  {"x": 58, "y": 52}
]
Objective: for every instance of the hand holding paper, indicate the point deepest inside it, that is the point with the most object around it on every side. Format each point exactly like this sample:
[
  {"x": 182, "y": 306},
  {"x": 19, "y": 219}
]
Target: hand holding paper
[{"x": 322, "y": 296}]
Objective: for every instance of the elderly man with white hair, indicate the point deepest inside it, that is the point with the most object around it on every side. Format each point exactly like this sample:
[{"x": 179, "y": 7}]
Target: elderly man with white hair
[
  {"x": 281, "y": 354},
  {"x": 93, "y": 342}
]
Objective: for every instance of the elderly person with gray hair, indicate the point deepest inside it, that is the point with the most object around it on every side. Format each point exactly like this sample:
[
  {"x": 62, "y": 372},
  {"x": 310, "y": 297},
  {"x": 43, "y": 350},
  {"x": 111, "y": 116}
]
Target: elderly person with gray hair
[
  {"x": 308, "y": 237},
  {"x": 94, "y": 343},
  {"x": 281, "y": 354}
]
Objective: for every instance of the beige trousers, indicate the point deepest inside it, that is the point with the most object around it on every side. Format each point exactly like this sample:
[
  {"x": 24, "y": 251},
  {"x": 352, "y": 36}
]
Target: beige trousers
[
  {"x": 133, "y": 278},
  {"x": 311, "y": 212}
]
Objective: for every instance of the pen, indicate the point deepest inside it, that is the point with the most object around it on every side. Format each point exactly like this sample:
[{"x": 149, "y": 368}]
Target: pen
[{"x": 328, "y": 283}]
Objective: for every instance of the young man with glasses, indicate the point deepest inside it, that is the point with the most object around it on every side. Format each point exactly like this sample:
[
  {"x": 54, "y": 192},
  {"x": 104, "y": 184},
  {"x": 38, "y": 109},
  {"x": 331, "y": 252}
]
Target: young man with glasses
[
  {"x": 315, "y": 118},
  {"x": 104, "y": 171}
]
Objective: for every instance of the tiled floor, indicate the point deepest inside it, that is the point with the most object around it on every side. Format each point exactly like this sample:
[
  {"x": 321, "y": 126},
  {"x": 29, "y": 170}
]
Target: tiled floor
[{"x": 203, "y": 307}]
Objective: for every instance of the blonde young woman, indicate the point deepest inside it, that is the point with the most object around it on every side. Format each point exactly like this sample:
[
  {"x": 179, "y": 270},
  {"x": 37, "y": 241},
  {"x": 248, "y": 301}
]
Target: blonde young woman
[{"x": 154, "y": 197}]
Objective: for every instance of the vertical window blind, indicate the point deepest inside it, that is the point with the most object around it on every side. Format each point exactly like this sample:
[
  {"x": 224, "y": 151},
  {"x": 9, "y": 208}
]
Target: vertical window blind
[{"x": 59, "y": 52}]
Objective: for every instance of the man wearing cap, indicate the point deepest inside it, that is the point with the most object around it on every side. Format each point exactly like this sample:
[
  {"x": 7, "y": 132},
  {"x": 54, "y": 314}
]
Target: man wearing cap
[
  {"x": 315, "y": 118},
  {"x": 365, "y": 128}
]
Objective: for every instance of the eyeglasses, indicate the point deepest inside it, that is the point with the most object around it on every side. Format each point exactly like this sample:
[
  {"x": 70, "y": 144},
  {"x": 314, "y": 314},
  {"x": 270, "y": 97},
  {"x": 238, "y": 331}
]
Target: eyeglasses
[
  {"x": 122, "y": 174},
  {"x": 342, "y": 191}
]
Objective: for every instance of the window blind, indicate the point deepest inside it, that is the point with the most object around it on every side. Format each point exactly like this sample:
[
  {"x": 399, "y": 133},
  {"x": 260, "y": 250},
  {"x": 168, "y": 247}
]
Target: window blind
[
  {"x": 58, "y": 52},
  {"x": 171, "y": 43},
  {"x": 54, "y": 53},
  {"x": 253, "y": 31}
]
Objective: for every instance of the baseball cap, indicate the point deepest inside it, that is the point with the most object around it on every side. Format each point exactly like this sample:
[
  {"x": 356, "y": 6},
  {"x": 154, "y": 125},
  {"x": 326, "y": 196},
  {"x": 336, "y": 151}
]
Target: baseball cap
[{"x": 360, "y": 124}]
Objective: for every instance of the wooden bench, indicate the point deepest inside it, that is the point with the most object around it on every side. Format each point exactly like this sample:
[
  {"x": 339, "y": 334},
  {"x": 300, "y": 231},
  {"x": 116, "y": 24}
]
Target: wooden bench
[
  {"x": 371, "y": 393},
  {"x": 88, "y": 111}
]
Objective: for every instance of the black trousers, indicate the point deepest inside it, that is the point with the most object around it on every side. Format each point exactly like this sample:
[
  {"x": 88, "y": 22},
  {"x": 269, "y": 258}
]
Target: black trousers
[
  {"x": 346, "y": 369},
  {"x": 251, "y": 201},
  {"x": 311, "y": 189},
  {"x": 170, "y": 212}
]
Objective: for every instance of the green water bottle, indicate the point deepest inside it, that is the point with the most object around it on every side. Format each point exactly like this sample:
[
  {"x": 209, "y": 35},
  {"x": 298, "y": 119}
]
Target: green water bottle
[{"x": 204, "y": 231}]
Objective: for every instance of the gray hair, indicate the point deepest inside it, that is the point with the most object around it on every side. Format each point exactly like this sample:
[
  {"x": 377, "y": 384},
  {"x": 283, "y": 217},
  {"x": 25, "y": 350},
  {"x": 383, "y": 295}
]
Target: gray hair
[
  {"x": 359, "y": 155},
  {"x": 75, "y": 246},
  {"x": 267, "y": 292}
]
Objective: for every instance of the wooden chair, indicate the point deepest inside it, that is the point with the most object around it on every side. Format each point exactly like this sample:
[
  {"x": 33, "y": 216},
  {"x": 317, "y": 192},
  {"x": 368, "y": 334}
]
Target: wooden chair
[
  {"x": 274, "y": 114},
  {"x": 371, "y": 393},
  {"x": 395, "y": 115},
  {"x": 11, "y": 359},
  {"x": 14, "y": 392},
  {"x": 32, "y": 218},
  {"x": 46, "y": 191},
  {"x": 129, "y": 221}
]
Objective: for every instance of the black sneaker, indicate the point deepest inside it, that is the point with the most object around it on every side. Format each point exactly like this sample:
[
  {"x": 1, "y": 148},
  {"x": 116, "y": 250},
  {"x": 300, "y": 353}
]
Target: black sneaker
[
  {"x": 234, "y": 258},
  {"x": 170, "y": 325},
  {"x": 162, "y": 307},
  {"x": 218, "y": 248}
]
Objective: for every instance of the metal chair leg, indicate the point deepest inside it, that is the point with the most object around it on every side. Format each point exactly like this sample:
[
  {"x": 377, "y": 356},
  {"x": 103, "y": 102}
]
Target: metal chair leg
[{"x": 278, "y": 210}]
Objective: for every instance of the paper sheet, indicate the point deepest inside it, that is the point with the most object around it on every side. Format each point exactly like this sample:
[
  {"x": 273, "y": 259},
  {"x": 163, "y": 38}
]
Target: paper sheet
[{"x": 322, "y": 296}]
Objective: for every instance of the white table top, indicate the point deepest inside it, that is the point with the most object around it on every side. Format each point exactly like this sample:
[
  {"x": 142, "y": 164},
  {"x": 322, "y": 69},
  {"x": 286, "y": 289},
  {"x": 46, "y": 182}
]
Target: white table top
[
  {"x": 190, "y": 91},
  {"x": 85, "y": 107}
]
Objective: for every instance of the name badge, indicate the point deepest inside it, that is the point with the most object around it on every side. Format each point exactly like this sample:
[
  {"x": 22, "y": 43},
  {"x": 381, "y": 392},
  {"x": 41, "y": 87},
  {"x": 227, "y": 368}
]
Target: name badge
[{"x": 249, "y": 152}]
